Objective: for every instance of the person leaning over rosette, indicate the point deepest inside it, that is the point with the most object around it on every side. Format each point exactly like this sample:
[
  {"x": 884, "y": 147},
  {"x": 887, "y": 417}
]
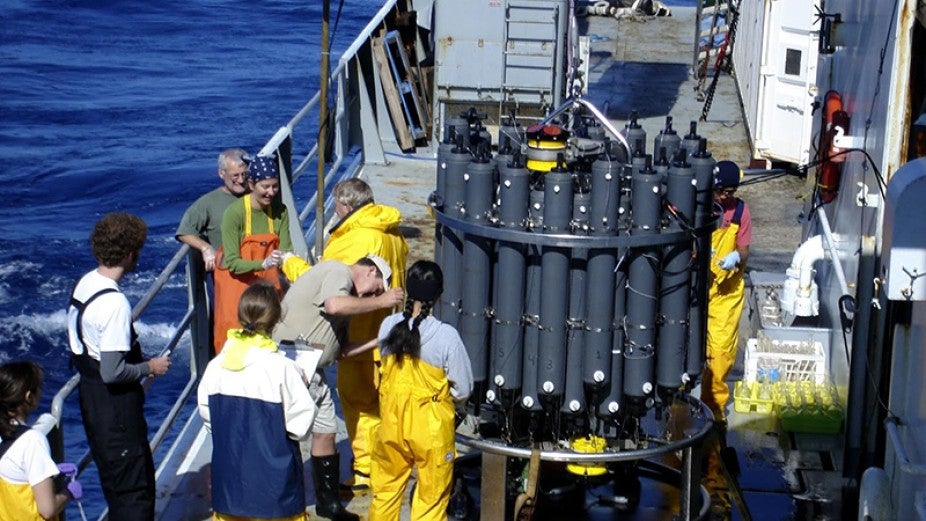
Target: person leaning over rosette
[
  {"x": 363, "y": 227},
  {"x": 255, "y": 233}
]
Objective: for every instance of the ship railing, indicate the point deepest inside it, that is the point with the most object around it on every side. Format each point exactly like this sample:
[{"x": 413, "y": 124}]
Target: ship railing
[{"x": 195, "y": 320}]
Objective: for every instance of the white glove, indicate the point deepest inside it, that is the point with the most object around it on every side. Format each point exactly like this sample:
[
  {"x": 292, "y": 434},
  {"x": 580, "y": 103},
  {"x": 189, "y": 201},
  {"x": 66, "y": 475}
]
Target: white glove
[
  {"x": 272, "y": 260},
  {"x": 208, "y": 258},
  {"x": 730, "y": 261}
]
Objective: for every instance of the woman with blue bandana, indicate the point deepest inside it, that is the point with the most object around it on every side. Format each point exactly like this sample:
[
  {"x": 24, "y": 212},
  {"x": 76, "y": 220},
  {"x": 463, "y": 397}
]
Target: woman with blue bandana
[{"x": 255, "y": 232}]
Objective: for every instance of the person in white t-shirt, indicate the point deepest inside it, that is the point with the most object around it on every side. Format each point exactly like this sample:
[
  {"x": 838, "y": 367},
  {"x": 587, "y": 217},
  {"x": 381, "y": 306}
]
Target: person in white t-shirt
[{"x": 106, "y": 352}]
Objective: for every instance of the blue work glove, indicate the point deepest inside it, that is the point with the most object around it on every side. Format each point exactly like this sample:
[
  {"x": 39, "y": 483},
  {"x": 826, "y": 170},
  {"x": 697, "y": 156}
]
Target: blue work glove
[
  {"x": 73, "y": 486},
  {"x": 730, "y": 261}
]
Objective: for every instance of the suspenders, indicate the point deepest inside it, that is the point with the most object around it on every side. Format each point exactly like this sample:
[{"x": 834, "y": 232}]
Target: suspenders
[
  {"x": 738, "y": 212},
  {"x": 81, "y": 307}
]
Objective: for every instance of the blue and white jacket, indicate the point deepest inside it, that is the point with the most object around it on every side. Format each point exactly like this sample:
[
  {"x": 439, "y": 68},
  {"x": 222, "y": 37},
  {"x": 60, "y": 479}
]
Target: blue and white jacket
[{"x": 256, "y": 404}]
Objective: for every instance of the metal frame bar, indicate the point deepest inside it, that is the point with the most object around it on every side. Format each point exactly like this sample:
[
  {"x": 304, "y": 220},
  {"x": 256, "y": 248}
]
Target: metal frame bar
[
  {"x": 694, "y": 499},
  {"x": 571, "y": 241}
]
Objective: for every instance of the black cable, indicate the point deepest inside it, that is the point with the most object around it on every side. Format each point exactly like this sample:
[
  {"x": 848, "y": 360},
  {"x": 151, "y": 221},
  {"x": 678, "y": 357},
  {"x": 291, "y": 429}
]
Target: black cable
[
  {"x": 882, "y": 185},
  {"x": 683, "y": 221},
  {"x": 874, "y": 166},
  {"x": 887, "y": 39},
  {"x": 337, "y": 19},
  {"x": 767, "y": 177}
]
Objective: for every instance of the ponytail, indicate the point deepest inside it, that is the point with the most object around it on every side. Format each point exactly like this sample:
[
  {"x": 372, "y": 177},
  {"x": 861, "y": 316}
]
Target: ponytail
[
  {"x": 259, "y": 309},
  {"x": 401, "y": 339},
  {"x": 425, "y": 282}
]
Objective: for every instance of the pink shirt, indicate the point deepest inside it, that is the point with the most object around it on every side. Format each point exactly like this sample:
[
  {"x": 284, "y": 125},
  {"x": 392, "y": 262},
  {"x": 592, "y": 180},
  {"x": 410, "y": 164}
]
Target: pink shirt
[{"x": 744, "y": 234}]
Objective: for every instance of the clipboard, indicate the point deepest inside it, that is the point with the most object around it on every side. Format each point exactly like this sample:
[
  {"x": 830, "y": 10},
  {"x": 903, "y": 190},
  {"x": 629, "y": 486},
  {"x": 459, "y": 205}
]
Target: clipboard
[{"x": 305, "y": 354}]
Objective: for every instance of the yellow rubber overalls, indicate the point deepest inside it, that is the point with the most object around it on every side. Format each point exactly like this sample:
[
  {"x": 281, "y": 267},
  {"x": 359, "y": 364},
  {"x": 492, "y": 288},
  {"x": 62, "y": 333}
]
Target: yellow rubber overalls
[
  {"x": 725, "y": 304},
  {"x": 417, "y": 429}
]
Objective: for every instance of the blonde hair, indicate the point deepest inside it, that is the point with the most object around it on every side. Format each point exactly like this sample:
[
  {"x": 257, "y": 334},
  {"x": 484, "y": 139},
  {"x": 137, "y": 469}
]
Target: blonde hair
[{"x": 353, "y": 192}]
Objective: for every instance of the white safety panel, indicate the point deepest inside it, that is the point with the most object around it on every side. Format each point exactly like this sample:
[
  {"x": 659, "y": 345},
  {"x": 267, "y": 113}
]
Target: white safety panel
[{"x": 787, "y": 82}]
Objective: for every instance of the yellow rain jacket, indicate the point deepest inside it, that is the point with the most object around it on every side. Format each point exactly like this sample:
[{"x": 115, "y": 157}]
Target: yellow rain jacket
[
  {"x": 725, "y": 304},
  {"x": 372, "y": 228},
  {"x": 415, "y": 398}
]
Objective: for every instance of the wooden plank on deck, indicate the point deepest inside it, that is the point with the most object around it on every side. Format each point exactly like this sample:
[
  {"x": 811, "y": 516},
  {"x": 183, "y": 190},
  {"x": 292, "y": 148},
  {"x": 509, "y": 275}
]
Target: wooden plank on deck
[{"x": 392, "y": 95}]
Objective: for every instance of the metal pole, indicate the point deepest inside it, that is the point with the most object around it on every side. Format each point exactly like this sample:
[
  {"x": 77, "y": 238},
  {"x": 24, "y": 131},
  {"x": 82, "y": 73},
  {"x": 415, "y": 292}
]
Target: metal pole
[
  {"x": 865, "y": 318},
  {"x": 322, "y": 133}
]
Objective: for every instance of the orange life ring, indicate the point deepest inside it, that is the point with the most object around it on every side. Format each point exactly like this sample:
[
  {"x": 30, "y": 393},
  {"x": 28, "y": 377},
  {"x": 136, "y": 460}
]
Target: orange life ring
[{"x": 829, "y": 168}]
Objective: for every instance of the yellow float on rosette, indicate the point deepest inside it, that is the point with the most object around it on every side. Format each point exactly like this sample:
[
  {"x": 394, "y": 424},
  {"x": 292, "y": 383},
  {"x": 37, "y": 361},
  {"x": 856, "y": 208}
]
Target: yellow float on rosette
[
  {"x": 544, "y": 144},
  {"x": 588, "y": 445}
]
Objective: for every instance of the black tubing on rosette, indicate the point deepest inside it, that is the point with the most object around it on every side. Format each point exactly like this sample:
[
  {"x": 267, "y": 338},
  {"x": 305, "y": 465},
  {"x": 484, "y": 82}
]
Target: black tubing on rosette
[
  {"x": 576, "y": 336},
  {"x": 674, "y": 296},
  {"x": 451, "y": 255},
  {"x": 557, "y": 213},
  {"x": 667, "y": 138},
  {"x": 702, "y": 162}
]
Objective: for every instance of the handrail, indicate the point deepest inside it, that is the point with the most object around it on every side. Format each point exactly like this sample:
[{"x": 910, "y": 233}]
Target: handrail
[
  {"x": 57, "y": 404},
  {"x": 159, "y": 282},
  {"x": 367, "y": 32}
]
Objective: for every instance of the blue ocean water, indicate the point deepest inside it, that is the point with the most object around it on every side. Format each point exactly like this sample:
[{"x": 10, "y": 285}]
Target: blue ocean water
[{"x": 125, "y": 105}]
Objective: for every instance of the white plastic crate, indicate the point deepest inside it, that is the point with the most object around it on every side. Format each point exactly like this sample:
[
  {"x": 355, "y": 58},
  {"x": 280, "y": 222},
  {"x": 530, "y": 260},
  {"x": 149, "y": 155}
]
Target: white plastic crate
[{"x": 773, "y": 359}]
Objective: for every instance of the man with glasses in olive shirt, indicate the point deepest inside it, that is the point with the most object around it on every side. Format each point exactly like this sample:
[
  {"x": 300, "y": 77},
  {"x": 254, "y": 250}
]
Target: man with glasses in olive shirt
[{"x": 201, "y": 225}]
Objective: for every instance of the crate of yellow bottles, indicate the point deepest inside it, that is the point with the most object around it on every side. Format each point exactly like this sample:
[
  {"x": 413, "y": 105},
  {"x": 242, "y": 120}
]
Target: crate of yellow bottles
[
  {"x": 754, "y": 396},
  {"x": 809, "y": 407},
  {"x": 800, "y": 406}
]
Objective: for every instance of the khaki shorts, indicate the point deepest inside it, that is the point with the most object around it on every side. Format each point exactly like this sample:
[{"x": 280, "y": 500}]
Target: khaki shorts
[{"x": 325, "y": 421}]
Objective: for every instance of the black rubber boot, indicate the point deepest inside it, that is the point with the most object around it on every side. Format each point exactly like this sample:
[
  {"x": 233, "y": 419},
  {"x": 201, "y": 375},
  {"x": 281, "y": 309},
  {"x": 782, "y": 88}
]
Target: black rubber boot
[{"x": 325, "y": 470}]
